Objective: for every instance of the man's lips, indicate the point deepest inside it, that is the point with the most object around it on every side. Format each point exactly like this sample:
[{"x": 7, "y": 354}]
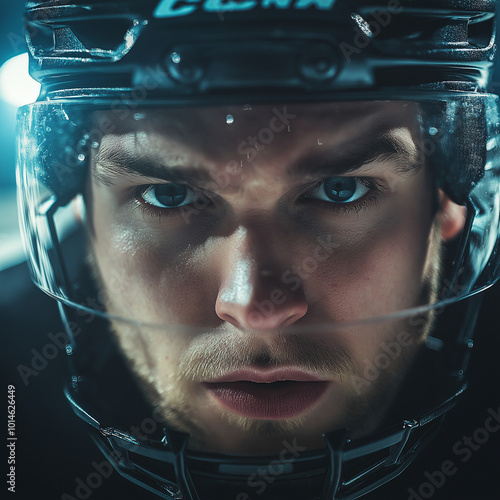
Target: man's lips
[
  {"x": 267, "y": 394},
  {"x": 267, "y": 376}
]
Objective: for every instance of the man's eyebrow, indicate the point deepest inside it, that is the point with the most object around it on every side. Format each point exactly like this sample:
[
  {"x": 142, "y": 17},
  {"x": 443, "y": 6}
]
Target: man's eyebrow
[
  {"x": 403, "y": 157},
  {"x": 121, "y": 163}
]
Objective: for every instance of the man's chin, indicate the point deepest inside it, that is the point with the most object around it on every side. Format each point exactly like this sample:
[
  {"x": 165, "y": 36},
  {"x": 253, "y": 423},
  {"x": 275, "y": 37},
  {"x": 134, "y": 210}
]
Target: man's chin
[{"x": 242, "y": 436}]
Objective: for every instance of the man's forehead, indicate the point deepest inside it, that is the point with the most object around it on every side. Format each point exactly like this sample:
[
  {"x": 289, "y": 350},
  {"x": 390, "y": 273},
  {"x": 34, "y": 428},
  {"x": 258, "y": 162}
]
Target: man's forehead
[
  {"x": 234, "y": 120},
  {"x": 191, "y": 135}
]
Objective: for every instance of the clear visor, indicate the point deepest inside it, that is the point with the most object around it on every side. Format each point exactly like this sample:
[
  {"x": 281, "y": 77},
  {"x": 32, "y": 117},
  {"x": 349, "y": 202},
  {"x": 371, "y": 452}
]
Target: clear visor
[{"x": 301, "y": 216}]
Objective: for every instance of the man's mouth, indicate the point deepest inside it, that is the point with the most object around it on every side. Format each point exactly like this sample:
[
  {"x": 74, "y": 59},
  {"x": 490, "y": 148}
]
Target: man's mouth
[{"x": 267, "y": 394}]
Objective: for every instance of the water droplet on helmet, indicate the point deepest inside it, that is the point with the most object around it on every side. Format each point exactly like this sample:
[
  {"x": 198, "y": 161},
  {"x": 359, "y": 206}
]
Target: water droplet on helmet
[
  {"x": 433, "y": 130},
  {"x": 81, "y": 157},
  {"x": 139, "y": 116},
  {"x": 229, "y": 119},
  {"x": 48, "y": 129},
  {"x": 176, "y": 58},
  {"x": 94, "y": 145}
]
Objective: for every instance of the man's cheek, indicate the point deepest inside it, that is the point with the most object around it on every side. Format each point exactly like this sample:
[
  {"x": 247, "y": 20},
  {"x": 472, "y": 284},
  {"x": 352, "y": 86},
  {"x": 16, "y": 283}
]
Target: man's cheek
[{"x": 355, "y": 282}]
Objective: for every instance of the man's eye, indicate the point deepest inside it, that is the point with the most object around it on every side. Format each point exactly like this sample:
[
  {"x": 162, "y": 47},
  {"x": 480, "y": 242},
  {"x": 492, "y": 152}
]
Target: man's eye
[
  {"x": 168, "y": 195},
  {"x": 339, "y": 190}
]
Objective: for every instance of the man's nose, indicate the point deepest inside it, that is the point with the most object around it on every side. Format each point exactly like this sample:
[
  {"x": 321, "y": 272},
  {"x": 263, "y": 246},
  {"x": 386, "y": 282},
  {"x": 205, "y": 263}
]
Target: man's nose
[{"x": 253, "y": 294}]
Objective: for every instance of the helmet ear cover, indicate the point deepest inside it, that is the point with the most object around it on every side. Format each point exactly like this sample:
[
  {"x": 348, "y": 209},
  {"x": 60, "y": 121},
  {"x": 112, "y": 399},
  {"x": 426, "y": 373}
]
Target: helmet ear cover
[
  {"x": 457, "y": 155},
  {"x": 63, "y": 159}
]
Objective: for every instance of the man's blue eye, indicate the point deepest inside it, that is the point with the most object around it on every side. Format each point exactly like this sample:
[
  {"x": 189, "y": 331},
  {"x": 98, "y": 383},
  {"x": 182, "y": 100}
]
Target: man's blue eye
[
  {"x": 339, "y": 190},
  {"x": 168, "y": 195}
]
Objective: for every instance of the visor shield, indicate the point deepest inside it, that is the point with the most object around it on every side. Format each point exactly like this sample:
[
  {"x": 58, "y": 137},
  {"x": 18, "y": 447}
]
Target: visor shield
[{"x": 261, "y": 217}]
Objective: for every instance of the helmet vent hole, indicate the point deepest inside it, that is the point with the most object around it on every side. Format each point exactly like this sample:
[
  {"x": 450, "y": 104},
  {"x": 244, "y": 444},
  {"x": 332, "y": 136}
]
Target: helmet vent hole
[
  {"x": 480, "y": 34},
  {"x": 100, "y": 34}
]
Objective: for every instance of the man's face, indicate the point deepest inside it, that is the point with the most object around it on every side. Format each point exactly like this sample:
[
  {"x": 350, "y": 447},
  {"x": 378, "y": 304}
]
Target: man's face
[{"x": 259, "y": 241}]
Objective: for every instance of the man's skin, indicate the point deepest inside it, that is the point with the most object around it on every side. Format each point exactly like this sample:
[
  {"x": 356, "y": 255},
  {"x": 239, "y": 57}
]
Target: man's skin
[{"x": 249, "y": 285}]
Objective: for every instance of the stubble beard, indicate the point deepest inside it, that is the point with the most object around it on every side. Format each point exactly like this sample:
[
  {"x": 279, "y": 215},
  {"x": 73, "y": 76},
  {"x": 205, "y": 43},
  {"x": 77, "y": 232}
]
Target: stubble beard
[
  {"x": 202, "y": 360},
  {"x": 214, "y": 354}
]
